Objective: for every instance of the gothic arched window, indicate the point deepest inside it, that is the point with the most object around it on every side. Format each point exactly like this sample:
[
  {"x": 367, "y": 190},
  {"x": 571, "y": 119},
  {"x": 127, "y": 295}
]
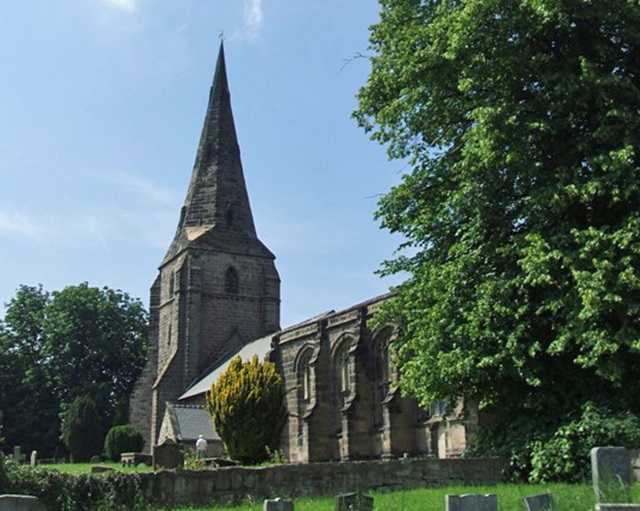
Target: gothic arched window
[
  {"x": 172, "y": 284},
  {"x": 229, "y": 215},
  {"x": 382, "y": 376},
  {"x": 304, "y": 376},
  {"x": 305, "y": 386},
  {"x": 231, "y": 281},
  {"x": 345, "y": 374},
  {"x": 342, "y": 378}
]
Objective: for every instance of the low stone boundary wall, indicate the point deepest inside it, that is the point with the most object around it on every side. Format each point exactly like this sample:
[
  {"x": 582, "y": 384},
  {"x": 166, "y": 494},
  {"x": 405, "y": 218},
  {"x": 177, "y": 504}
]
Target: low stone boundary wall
[{"x": 231, "y": 485}]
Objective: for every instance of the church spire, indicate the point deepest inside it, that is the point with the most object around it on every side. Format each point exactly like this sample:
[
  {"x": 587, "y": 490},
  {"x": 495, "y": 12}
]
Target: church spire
[
  {"x": 218, "y": 136},
  {"x": 216, "y": 210},
  {"x": 218, "y": 287}
]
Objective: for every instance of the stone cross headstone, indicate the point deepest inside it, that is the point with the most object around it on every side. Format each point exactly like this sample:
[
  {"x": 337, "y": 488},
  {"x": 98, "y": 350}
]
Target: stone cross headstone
[
  {"x": 278, "y": 505},
  {"x": 617, "y": 507},
  {"x": 541, "y": 502},
  {"x": 471, "y": 502},
  {"x": 611, "y": 471},
  {"x": 34, "y": 458},
  {"x": 20, "y": 503},
  {"x": 354, "y": 502}
]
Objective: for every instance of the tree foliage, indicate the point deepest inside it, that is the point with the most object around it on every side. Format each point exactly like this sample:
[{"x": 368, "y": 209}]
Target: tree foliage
[
  {"x": 4, "y": 479},
  {"x": 81, "y": 429},
  {"x": 95, "y": 339},
  {"x": 57, "y": 346},
  {"x": 121, "y": 439},
  {"x": 521, "y": 212},
  {"x": 246, "y": 404},
  {"x": 566, "y": 455},
  {"x": 27, "y": 396}
]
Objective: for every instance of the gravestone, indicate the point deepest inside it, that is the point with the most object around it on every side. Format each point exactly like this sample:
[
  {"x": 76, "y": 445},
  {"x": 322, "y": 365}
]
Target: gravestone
[
  {"x": 20, "y": 503},
  {"x": 34, "y": 458},
  {"x": 354, "y": 502},
  {"x": 471, "y": 502},
  {"x": 541, "y": 502},
  {"x": 168, "y": 455},
  {"x": 100, "y": 469},
  {"x": 278, "y": 505},
  {"x": 224, "y": 462},
  {"x": 611, "y": 472},
  {"x": 17, "y": 454},
  {"x": 617, "y": 507}
]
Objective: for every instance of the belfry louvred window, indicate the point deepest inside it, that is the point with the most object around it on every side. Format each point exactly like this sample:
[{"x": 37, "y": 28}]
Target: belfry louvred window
[{"x": 231, "y": 281}]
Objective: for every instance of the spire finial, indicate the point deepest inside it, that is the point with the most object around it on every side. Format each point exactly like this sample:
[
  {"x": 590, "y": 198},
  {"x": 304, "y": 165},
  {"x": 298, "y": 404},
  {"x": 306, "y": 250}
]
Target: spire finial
[{"x": 221, "y": 35}]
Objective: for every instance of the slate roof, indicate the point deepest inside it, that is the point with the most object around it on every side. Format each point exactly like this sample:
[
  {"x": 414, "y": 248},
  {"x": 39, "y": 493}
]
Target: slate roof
[
  {"x": 189, "y": 422},
  {"x": 260, "y": 347}
]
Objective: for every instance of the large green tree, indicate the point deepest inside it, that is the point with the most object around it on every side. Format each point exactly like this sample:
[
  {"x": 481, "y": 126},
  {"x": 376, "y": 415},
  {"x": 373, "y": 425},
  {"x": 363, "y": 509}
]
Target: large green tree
[
  {"x": 81, "y": 429},
  {"x": 520, "y": 120},
  {"x": 95, "y": 342},
  {"x": 27, "y": 397},
  {"x": 55, "y": 347}
]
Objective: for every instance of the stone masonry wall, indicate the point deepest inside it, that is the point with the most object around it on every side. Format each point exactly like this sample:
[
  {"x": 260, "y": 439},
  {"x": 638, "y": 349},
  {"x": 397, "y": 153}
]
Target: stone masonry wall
[
  {"x": 140, "y": 403},
  {"x": 366, "y": 419},
  {"x": 232, "y": 485},
  {"x": 200, "y": 321}
]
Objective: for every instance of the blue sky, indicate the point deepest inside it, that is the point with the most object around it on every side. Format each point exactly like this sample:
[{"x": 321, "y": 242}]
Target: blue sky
[{"x": 102, "y": 103}]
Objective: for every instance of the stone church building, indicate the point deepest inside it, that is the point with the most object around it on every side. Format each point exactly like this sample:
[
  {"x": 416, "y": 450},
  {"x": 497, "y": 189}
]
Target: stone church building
[{"x": 217, "y": 295}]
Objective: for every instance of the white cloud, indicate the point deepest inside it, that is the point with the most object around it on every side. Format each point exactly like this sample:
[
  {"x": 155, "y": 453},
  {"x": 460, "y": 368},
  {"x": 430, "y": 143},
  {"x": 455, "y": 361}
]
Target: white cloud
[
  {"x": 140, "y": 186},
  {"x": 126, "y": 208},
  {"x": 253, "y": 18},
  {"x": 12, "y": 222},
  {"x": 125, "y": 5},
  {"x": 100, "y": 226}
]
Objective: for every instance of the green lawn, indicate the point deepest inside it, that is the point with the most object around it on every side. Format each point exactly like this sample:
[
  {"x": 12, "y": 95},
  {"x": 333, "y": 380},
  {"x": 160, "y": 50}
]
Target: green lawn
[
  {"x": 568, "y": 498},
  {"x": 85, "y": 468}
]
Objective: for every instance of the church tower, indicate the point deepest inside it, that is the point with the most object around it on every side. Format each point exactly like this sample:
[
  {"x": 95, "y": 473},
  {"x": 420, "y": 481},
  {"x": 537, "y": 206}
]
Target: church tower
[{"x": 217, "y": 287}]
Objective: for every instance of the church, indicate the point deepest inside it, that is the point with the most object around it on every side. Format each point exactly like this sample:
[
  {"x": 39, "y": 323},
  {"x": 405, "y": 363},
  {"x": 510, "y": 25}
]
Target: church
[{"x": 217, "y": 295}]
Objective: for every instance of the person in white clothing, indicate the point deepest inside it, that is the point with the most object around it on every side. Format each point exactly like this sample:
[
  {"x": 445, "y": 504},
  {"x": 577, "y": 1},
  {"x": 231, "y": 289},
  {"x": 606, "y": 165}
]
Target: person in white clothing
[{"x": 201, "y": 447}]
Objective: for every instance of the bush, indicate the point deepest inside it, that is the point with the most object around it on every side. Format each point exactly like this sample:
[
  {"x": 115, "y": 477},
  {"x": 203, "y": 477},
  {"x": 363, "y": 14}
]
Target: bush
[
  {"x": 246, "y": 404},
  {"x": 4, "y": 481},
  {"x": 113, "y": 491},
  {"x": 122, "y": 439},
  {"x": 566, "y": 455},
  {"x": 81, "y": 429},
  {"x": 1, "y": 437}
]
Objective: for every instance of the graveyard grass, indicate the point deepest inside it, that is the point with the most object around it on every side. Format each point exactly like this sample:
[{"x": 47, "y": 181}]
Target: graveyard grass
[
  {"x": 568, "y": 497},
  {"x": 85, "y": 468}
]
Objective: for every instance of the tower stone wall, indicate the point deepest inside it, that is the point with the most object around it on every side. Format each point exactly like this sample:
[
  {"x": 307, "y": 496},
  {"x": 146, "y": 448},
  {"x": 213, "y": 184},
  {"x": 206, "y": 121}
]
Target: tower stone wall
[{"x": 140, "y": 403}]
